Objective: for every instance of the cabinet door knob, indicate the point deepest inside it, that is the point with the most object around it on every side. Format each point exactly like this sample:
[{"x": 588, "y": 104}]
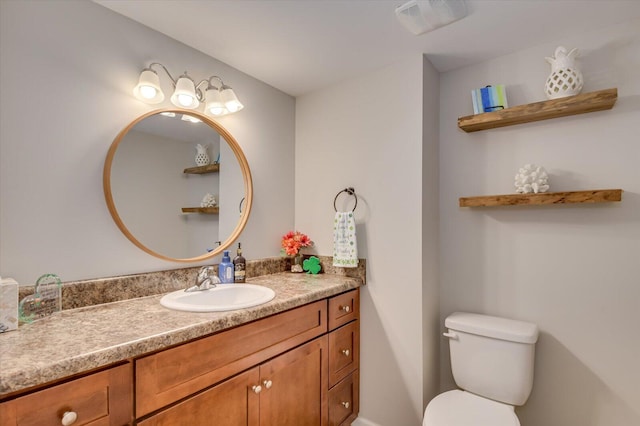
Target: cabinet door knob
[
  {"x": 346, "y": 404},
  {"x": 346, "y": 352},
  {"x": 346, "y": 308},
  {"x": 69, "y": 418},
  {"x": 267, "y": 384},
  {"x": 257, "y": 388}
]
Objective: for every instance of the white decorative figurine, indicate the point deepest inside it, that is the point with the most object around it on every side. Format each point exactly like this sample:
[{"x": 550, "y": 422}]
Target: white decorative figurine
[
  {"x": 202, "y": 158},
  {"x": 531, "y": 178},
  {"x": 208, "y": 201},
  {"x": 565, "y": 78}
]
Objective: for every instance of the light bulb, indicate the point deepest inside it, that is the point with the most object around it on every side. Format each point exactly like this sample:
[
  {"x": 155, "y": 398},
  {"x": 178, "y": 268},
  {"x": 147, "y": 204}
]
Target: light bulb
[
  {"x": 185, "y": 100},
  {"x": 148, "y": 87},
  {"x": 234, "y": 106},
  {"x": 230, "y": 99},
  {"x": 214, "y": 105},
  {"x": 216, "y": 110},
  {"x": 148, "y": 92},
  {"x": 185, "y": 93}
]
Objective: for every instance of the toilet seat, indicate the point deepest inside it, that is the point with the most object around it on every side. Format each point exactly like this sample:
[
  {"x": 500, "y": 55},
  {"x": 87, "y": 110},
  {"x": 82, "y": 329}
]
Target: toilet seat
[{"x": 460, "y": 408}]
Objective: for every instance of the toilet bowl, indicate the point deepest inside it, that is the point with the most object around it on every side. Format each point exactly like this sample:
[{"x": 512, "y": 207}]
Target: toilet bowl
[
  {"x": 492, "y": 363},
  {"x": 460, "y": 408}
]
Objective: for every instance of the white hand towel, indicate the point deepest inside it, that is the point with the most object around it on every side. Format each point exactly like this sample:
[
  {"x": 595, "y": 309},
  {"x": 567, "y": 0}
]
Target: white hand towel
[{"x": 345, "y": 247}]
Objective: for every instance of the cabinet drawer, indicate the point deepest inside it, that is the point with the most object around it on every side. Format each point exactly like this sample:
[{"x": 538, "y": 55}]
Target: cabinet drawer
[
  {"x": 344, "y": 400},
  {"x": 170, "y": 375},
  {"x": 103, "y": 398},
  {"x": 344, "y": 308},
  {"x": 344, "y": 356}
]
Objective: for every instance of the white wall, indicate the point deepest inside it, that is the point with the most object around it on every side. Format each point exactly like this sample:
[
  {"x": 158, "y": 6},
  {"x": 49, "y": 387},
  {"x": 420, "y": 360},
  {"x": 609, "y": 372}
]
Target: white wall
[
  {"x": 66, "y": 75},
  {"x": 430, "y": 233},
  {"x": 367, "y": 133},
  {"x": 571, "y": 269}
]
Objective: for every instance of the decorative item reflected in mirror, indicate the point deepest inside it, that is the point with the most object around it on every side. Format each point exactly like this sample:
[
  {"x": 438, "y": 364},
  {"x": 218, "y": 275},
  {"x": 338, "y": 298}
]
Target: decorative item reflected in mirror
[{"x": 154, "y": 189}]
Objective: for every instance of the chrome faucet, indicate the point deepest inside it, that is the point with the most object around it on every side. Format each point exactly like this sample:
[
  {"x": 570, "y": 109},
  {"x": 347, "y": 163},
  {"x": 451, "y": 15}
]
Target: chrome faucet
[{"x": 205, "y": 279}]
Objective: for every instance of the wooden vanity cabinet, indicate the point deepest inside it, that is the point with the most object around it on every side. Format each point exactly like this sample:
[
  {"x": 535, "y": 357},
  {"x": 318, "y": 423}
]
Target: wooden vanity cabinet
[
  {"x": 298, "y": 367},
  {"x": 98, "y": 399}
]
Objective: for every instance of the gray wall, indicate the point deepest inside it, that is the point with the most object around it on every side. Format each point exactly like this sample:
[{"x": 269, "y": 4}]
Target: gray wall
[
  {"x": 372, "y": 137},
  {"x": 66, "y": 74},
  {"x": 571, "y": 269}
]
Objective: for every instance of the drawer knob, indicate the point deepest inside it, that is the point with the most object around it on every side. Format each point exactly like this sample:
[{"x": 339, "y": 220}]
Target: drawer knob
[
  {"x": 346, "y": 308},
  {"x": 267, "y": 384},
  {"x": 346, "y": 404},
  {"x": 345, "y": 352},
  {"x": 257, "y": 388},
  {"x": 69, "y": 418}
]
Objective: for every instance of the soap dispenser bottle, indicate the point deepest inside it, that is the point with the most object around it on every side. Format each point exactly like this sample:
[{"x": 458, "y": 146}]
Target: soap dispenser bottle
[
  {"x": 239, "y": 266},
  {"x": 225, "y": 268}
]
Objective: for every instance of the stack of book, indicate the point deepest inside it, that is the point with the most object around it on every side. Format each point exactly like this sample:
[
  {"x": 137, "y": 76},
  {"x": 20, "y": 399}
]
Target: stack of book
[{"x": 489, "y": 99}]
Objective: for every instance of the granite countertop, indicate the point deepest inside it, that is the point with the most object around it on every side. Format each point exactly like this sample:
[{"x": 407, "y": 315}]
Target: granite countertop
[{"x": 78, "y": 340}]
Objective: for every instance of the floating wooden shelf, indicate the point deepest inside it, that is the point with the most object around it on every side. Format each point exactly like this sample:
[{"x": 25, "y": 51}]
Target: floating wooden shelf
[
  {"x": 594, "y": 196},
  {"x": 571, "y": 105},
  {"x": 207, "y": 210},
  {"x": 201, "y": 170}
]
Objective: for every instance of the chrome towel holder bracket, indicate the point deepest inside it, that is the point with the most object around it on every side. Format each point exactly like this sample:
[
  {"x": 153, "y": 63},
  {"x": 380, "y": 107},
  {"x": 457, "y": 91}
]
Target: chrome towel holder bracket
[{"x": 349, "y": 191}]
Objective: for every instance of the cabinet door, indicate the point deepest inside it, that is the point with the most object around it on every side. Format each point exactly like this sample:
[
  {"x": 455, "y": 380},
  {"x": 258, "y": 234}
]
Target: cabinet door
[
  {"x": 294, "y": 387},
  {"x": 234, "y": 402}
]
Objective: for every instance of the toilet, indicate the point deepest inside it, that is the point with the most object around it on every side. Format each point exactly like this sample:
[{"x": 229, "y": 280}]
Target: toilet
[{"x": 492, "y": 363}]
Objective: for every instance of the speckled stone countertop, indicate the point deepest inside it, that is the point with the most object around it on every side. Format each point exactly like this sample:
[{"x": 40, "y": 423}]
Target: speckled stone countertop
[{"x": 78, "y": 340}]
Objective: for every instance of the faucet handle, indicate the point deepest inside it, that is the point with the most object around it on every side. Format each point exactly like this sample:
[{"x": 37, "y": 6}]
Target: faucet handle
[{"x": 204, "y": 273}]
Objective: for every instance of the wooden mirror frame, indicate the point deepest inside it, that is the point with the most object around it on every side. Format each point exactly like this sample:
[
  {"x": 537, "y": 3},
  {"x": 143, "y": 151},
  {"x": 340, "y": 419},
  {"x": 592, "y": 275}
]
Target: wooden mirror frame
[{"x": 244, "y": 167}]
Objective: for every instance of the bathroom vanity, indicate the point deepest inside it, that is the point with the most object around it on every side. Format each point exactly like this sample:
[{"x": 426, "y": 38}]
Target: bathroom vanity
[{"x": 292, "y": 361}]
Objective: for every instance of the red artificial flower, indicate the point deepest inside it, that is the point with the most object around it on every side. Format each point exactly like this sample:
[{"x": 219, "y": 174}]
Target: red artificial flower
[{"x": 293, "y": 241}]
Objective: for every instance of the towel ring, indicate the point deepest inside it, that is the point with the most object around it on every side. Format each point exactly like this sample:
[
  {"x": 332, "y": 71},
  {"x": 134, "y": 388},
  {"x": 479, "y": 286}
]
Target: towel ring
[{"x": 349, "y": 191}]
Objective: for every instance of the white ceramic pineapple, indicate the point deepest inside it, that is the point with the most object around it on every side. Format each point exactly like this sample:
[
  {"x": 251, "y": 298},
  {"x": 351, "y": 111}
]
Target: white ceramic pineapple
[
  {"x": 202, "y": 158},
  {"x": 565, "y": 78}
]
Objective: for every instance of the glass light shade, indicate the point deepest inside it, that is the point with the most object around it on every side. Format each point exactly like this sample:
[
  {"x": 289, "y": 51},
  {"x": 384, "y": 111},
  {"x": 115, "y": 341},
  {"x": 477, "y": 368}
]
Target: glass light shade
[
  {"x": 214, "y": 105},
  {"x": 148, "y": 87},
  {"x": 190, "y": 119},
  {"x": 230, "y": 99},
  {"x": 184, "y": 96}
]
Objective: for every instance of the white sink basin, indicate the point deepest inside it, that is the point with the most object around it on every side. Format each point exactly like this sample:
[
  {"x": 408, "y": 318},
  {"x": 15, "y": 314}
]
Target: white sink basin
[{"x": 223, "y": 297}]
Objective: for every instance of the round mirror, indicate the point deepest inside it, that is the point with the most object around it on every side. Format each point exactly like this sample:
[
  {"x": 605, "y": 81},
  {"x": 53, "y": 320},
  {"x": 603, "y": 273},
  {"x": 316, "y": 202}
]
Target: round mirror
[{"x": 178, "y": 185}]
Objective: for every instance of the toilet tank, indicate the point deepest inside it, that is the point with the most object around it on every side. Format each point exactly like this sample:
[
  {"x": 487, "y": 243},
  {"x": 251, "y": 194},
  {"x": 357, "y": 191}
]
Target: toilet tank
[{"x": 492, "y": 357}]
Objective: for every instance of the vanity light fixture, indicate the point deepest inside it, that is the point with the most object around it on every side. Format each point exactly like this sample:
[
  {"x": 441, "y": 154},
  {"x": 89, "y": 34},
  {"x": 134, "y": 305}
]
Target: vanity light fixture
[{"x": 218, "y": 99}]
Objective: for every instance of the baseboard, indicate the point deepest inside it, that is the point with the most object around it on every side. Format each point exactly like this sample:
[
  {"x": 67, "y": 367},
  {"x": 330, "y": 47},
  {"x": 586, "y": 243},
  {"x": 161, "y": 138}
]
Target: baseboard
[{"x": 363, "y": 422}]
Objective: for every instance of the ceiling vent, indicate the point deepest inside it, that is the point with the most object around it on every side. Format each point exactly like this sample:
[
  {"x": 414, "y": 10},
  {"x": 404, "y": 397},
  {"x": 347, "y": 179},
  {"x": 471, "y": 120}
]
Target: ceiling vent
[{"x": 420, "y": 17}]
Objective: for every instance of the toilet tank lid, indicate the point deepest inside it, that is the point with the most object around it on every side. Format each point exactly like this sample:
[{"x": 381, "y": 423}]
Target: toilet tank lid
[{"x": 495, "y": 327}]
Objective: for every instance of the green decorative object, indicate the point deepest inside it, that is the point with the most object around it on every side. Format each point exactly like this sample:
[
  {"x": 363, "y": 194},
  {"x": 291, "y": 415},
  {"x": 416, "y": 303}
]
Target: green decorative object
[{"x": 311, "y": 265}]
